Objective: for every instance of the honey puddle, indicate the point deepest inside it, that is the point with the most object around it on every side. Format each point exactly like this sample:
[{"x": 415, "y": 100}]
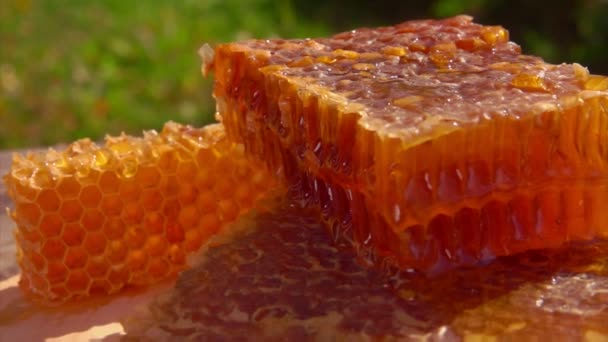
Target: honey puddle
[{"x": 279, "y": 276}]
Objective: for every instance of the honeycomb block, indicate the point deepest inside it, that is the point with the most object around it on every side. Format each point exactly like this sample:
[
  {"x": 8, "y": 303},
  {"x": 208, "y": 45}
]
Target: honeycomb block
[
  {"x": 428, "y": 144},
  {"x": 94, "y": 219}
]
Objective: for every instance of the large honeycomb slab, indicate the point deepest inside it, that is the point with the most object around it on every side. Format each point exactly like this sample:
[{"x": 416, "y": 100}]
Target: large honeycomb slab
[
  {"x": 94, "y": 219},
  {"x": 279, "y": 276},
  {"x": 431, "y": 143}
]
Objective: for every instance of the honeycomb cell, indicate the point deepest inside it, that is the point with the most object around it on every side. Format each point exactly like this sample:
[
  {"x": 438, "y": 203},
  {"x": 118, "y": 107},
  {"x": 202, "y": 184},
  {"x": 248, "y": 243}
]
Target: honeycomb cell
[
  {"x": 70, "y": 211},
  {"x": 422, "y": 121},
  {"x": 132, "y": 213},
  {"x": 97, "y": 268},
  {"x": 130, "y": 191},
  {"x": 227, "y": 210},
  {"x": 76, "y": 258},
  {"x": 51, "y": 225},
  {"x": 188, "y": 216},
  {"x": 90, "y": 196},
  {"x": 186, "y": 172},
  {"x": 135, "y": 237},
  {"x": 78, "y": 282},
  {"x": 114, "y": 228},
  {"x": 151, "y": 199},
  {"x": 92, "y": 220},
  {"x": 73, "y": 234},
  {"x": 117, "y": 252},
  {"x": 111, "y": 205},
  {"x": 206, "y": 202},
  {"x": 68, "y": 187},
  {"x": 109, "y": 182},
  {"x": 53, "y": 249},
  {"x": 56, "y": 272},
  {"x": 95, "y": 243},
  {"x": 148, "y": 177},
  {"x": 48, "y": 200}
]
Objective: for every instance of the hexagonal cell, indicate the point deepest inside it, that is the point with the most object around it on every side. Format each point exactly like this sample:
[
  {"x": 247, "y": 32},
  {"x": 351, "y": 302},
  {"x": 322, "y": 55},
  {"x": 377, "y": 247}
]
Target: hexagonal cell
[
  {"x": 132, "y": 213},
  {"x": 111, "y": 205},
  {"x": 188, "y": 216},
  {"x": 194, "y": 240},
  {"x": 209, "y": 223},
  {"x": 186, "y": 171},
  {"x": 156, "y": 245},
  {"x": 171, "y": 209},
  {"x": 167, "y": 163},
  {"x": 100, "y": 287},
  {"x": 130, "y": 190},
  {"x": 158, "y": 268},
  {"x": 148, "y": 177},
  {"x": 51, "y": 225},
  {"x": 78, "y": 281},
  {"x": 205, "y": 158},
  {"x": 169, "y": 186},
  {"x": 244, "y": 195},
  {"x": 154, "y": 223},
  {"x": 97, "y": 267},
  {"x": 118, "y": 277},
  {"x": 68, "y": 187},
  {"x": 228, "y": 210},
  {"x": 135, "y": 237},
  {"x": 76, "y": 258},
  {"x": 174, "y": 233},
  {"x": 206, "y": 202},
  {"x": 53, "y": 249},
  {"x": 92, "y": 219},
  {"x": 204, "y": 179},
  {"x": 27, "y": 214},
  {"x": 187, "y": 194},
  {"x": 224, "y": 187},
  {"x": 114, "y": 228},
  {"x": 95, "y": 243},
  {"x": 151, "y": 199},
  {"x": 48, "y": 200},
  {"x": 176, "y": 255},
  {"x": 117, "y": 251},
  {"x": 136, "y": 261},
  {"x": 56, "y": 272},
  {"x": 90, "y": 196},
  {"x": 70, "y": 211},
  {"x": 109, "y": 182},
  {"x": 73, "y": 234}
]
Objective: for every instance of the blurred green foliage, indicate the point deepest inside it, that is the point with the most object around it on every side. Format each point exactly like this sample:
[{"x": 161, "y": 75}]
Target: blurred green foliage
[{"x": 74, "y": 68}]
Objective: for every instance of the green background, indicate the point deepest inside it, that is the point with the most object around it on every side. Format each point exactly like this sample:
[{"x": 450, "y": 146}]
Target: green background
[{"x": 77, "y": 68}]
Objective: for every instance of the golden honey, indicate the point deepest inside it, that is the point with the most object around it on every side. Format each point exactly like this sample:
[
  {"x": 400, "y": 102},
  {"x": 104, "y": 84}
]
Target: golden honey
[
  {"x": 94, "y": 219},
  {"x": 431, "y": 143}
]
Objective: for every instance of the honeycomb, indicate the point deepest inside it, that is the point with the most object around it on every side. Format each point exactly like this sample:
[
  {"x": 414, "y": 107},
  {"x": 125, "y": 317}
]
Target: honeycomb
[
  {"x": 94, "y": 219},
  {"x": 302, "y": 286},
  {"x": 428, "y": 144}
]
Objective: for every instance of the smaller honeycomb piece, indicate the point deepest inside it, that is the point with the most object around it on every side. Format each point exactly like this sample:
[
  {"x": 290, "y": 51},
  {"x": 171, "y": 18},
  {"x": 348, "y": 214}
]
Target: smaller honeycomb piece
[{"x": 94, "y": 219}]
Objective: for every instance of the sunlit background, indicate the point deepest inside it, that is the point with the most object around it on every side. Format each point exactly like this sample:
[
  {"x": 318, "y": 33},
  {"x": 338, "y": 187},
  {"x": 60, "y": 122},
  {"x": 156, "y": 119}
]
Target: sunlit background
[{"x": 76, "y": 68}]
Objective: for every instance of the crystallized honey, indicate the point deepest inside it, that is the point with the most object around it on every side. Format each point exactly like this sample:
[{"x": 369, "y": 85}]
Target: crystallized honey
[
  {"x": 94, "y": 219},
  {"x": 430, "y": 143}
]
